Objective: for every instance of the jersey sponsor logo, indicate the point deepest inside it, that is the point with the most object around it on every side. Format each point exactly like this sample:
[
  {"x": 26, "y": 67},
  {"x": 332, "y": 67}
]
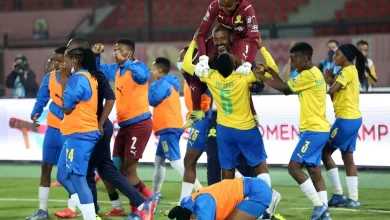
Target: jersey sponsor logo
[
  {"x": 206, "y": 17},
  {"x": 249, "y": 21},
  {"x": 226, "y": 26},
  {"x": 255, "y": 27},
  {"x": 238, "y": 20},
  {"x": 239, "y": 28}
]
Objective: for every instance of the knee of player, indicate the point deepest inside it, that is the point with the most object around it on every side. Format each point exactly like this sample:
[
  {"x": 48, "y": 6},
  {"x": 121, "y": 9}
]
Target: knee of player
[
  {"x": 129, "y": 170},
  {"x": 347, "y": 157},
  {"x": 314, "y": 171},
  {"x": 293, "y": 168}
]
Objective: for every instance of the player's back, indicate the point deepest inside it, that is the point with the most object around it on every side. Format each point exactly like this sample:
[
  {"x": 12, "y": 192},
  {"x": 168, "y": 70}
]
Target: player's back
[
  {"x": 231, "y": 95},
  {"x": 311, "y": 88},
  {"x": 346, "y": 100}
]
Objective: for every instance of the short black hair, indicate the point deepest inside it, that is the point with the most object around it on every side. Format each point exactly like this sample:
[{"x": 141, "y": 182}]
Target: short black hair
[
  {"x": 164, "y": 64},
  {"x": 225, "y": 64},
  {"x": 333, "y": 41},
  {"x": 303, "y": 48},
  {"x": 81, "y": 42},
  {"x": 219, "y": 27},
  {"x": 195, "y": 51},
  {"x": 127, "y": 42},
  {"x": 362, "y": 42},
  {"x": 61, "y": 49}
]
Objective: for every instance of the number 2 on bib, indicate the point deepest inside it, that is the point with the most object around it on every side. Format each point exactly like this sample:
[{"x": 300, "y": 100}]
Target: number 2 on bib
[{"x": 227, "y": 104}]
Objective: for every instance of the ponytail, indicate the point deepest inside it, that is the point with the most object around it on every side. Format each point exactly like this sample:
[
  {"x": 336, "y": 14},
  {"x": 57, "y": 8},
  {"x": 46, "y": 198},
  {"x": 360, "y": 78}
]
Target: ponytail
[
  {"x": 89, "y": 61},
  {"x": 360, "y": 63}
]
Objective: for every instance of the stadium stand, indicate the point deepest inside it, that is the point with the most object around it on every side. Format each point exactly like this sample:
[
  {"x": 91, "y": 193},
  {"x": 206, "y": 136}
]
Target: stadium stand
[{"x": 360, "y": 10}]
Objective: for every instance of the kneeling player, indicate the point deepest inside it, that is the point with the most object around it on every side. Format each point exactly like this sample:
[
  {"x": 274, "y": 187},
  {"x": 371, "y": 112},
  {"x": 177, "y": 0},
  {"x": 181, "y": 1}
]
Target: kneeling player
[{"x": 244, "y": 199}]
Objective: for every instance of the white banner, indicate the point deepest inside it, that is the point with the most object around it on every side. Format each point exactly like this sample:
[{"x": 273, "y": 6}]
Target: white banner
[{"x": 278, "y": 123}]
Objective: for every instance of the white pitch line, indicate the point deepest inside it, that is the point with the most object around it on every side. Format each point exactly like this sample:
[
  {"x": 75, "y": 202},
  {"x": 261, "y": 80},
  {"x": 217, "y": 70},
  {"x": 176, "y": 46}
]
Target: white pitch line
[{"x": 174, "y": 203}]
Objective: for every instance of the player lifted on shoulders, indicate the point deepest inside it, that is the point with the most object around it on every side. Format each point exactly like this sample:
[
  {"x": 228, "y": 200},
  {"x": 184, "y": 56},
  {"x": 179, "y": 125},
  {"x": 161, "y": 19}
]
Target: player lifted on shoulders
[
  {"x": 314, "y": 128},
  {"x": 235, "y": 120},
  {"x": 344, "y": 90},
  {"x": 239, "y": 17}
]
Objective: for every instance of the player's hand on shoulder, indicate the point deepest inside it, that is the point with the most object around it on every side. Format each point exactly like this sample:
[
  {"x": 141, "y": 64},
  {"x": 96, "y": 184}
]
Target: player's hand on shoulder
[
  {"x": 244, "y": 69},
  {"x": 202, "y": 67},
  {"x": 98, "y": 48},
  {"x": 259, "y": 43},
  {"x": 196, "y": 35}
]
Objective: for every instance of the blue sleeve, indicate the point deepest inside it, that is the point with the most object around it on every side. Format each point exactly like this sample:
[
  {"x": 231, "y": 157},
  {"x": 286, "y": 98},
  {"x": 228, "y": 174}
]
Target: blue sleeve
[
  {"x": 77, "y": 89},
  {"x": 158, "y": 91},
  {"x": 139, "y": 71},
  {"x": 43, "y": 96},
  {"x": 205, "y": 207},
  {"x": 109, "y": 70}
]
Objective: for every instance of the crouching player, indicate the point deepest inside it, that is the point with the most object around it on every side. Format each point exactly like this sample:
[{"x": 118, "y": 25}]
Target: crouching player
[{"x": 244, "y": 199}]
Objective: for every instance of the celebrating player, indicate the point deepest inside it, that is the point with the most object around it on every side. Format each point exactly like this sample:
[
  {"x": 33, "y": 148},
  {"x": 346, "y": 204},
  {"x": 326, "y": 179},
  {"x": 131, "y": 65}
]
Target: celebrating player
[
  {"x": 167, "y": 120},
  {"x": 80, "y": 126},
  {"x": 344, "y": 90},
  {"x": 235, "y": 120},
  {"x": 238, "y": 16},
  {"x": 311, "y": 88},
  {"x": 134, "y": 118},
  {"x": 53, "y": 141},
  {"x": 244, "y": 199}
]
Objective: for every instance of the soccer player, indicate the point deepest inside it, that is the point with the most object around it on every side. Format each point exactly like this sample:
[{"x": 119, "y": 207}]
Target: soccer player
[
  {"x": 314, "y": 128},
  {"x": 101, "y": 155},
  {"x": 50, "y": 65},
  {"x": 344, "y": 91},
  {"x": 235, "y": 120},
  {"x": 164, "y": 97},
  {"x": 370, "y": 68},
  {"x": 80, "y": 126},
  {"x": 196, "y": 144},
  {"x": 328, "y": 63},
  {"x": 53, "y": 141},
  {"x": 131, "y": 81},
  {"x": 243, "y": 199},
  {"x": 238, "y": 16}
]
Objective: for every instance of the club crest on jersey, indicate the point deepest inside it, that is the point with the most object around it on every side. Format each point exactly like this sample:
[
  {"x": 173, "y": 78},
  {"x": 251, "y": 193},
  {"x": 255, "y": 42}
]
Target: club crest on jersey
[
  {"x": 206, "y": 17},
  {"x": 238, "y": 20}
]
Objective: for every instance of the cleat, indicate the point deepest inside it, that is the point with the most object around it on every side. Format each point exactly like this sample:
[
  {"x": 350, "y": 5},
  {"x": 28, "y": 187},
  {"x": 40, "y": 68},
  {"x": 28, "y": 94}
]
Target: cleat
[
  {"x": 157, "y": 198},
  {"x": 146, "y": 212},
  {"x": 40, "y": 214},
  {"x": 56, "y": 184},
  {"x": 269, "y": 213},
  {"x": 194, "y": 117},
  {"x": 337, "y": 201},
  {"x": 278, "y": 216},
  {"x": 353, "y": 204},
  {"x": 134, "y": 217},
  {"x": 66, "y": 213},
  {"x": 319, "y": 212},
  {"x": 98, "y": 217},
  {"x": 114, "y": 212},
  {"x": 326, "y": 216}
]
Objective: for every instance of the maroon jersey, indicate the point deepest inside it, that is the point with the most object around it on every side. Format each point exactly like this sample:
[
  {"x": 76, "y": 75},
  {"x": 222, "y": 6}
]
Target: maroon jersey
[{"x": 242, "y": 23}]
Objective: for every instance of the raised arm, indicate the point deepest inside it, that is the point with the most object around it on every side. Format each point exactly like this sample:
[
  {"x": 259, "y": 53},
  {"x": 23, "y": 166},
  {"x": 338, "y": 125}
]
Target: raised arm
[
  {"x": 109, "y": 70},
  {"x": 188, "y": 67},
  {"x": 205, "y": 26}
]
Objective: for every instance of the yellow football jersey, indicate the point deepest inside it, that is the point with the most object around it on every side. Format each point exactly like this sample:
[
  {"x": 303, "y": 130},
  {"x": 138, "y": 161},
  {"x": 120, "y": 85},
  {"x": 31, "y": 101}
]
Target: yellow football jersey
[
  {"x": 346, "y": 100},
  {"x": 311, "y": 88},
  {"x": 231, "y": 94}
]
